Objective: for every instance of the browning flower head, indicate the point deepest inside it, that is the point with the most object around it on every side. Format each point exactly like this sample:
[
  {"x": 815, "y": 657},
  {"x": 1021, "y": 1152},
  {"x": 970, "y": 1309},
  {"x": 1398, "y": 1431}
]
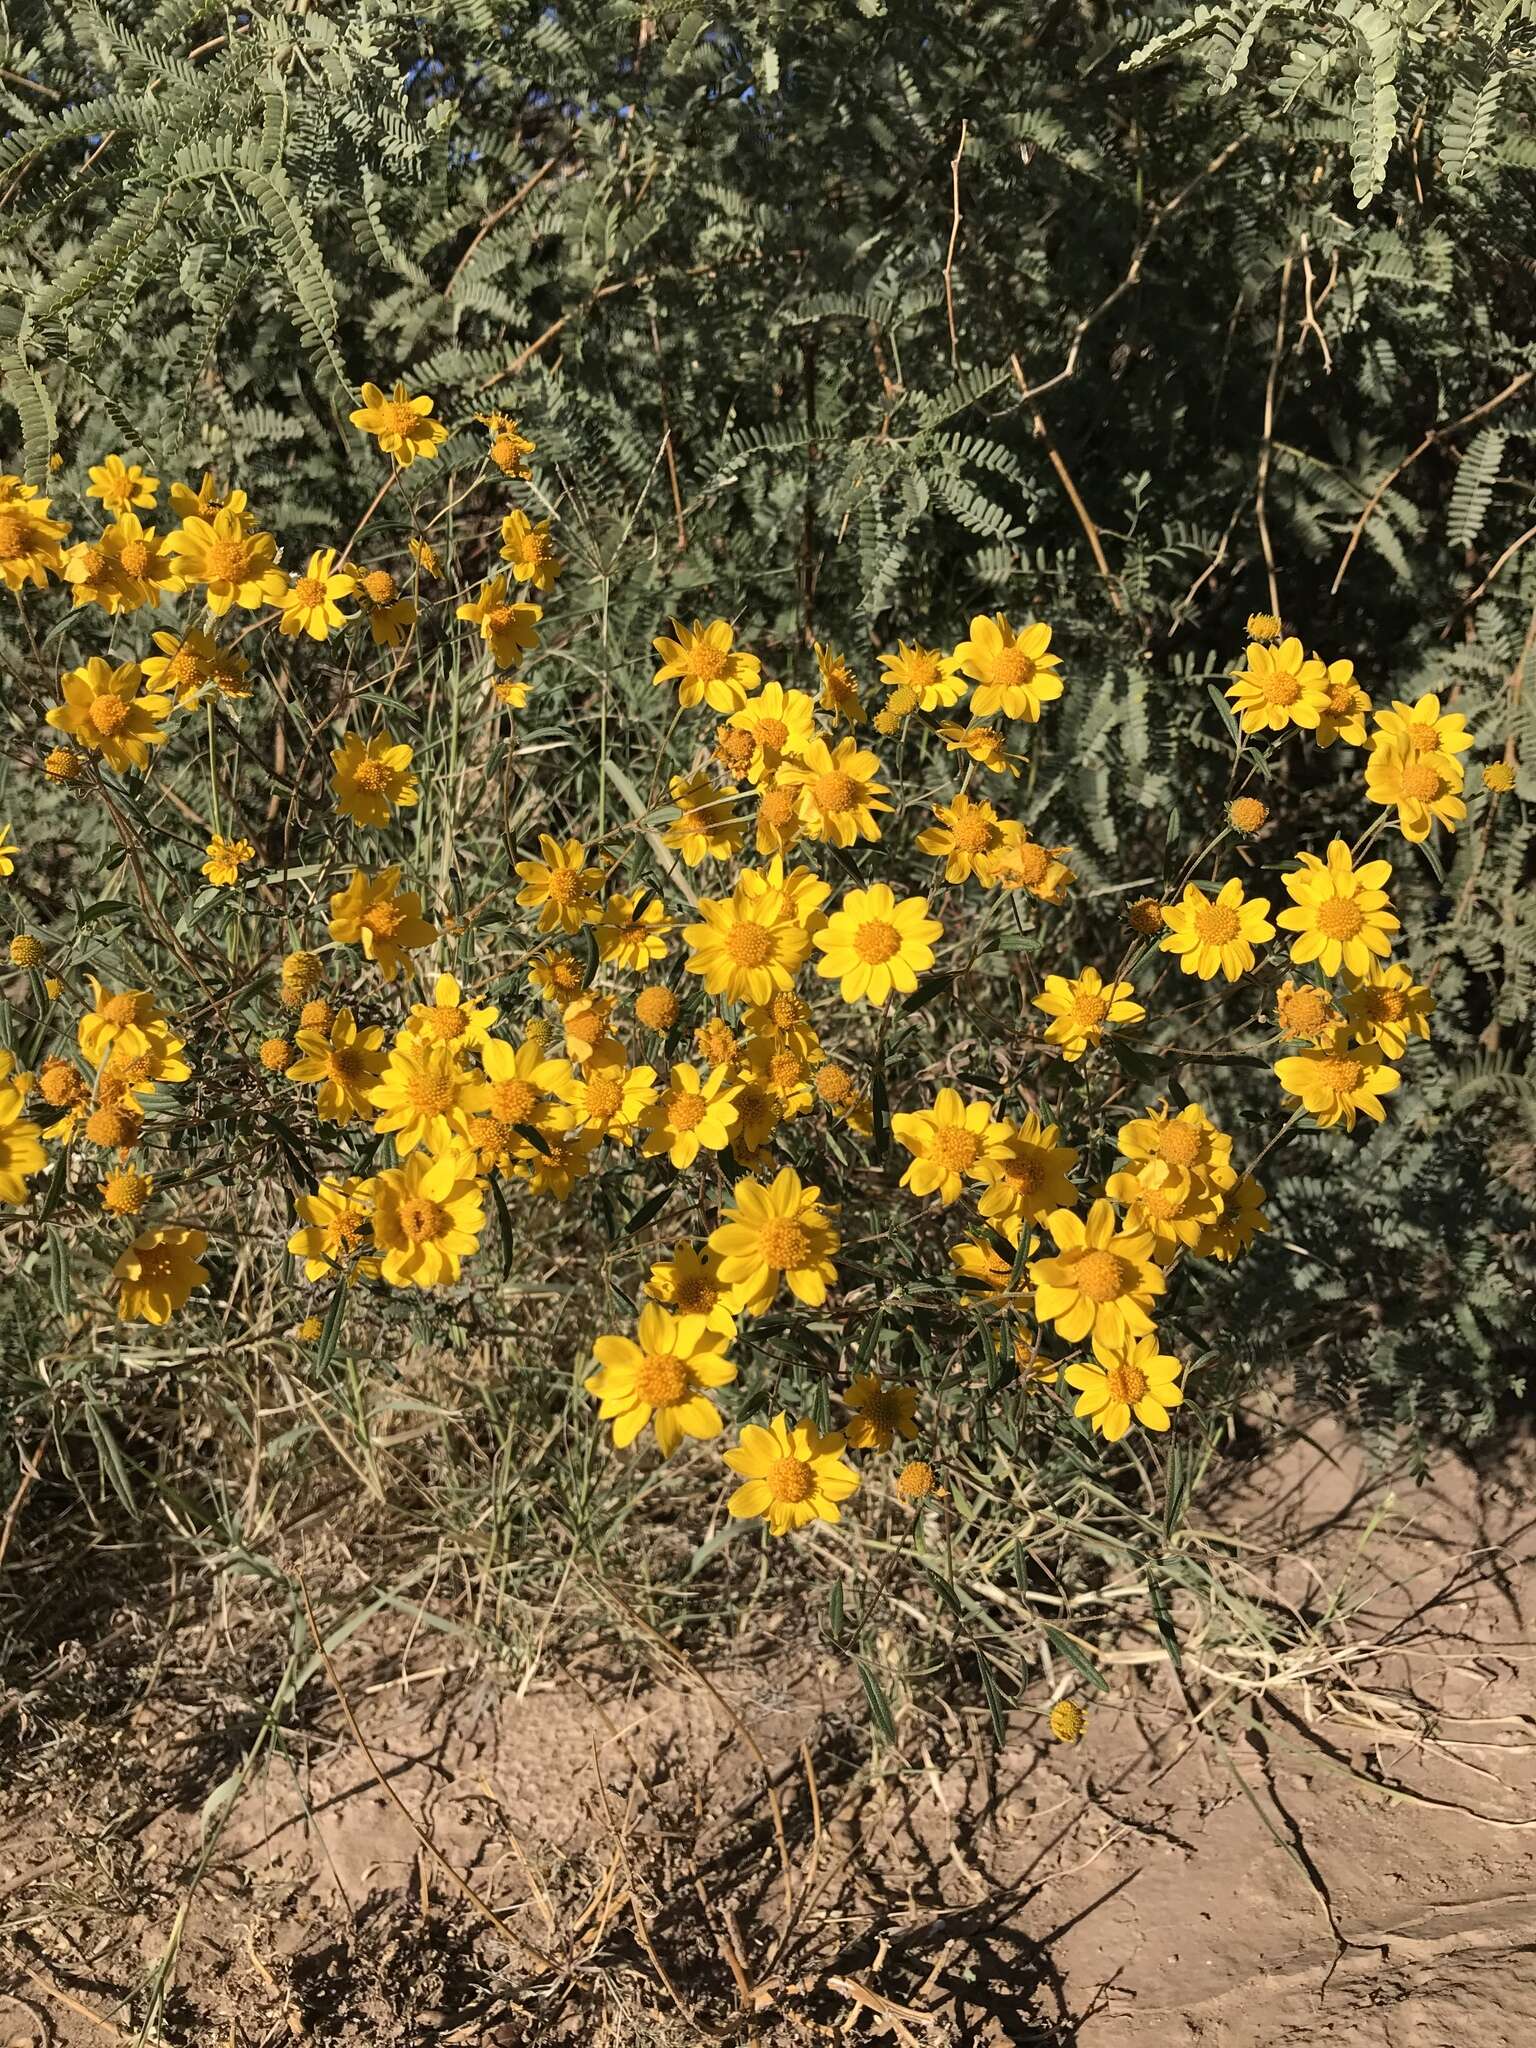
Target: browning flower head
[
  {"x": 1145, "y": 915},
  {"x": 657, "y": 1008},
  {"x": 1247, "y": 813},
  {"x": 61, "y": 765},
  {"x": 916, "y": 1481},
  {"x": 276, "y": 1055},
  {"x": 26, "y": 951}
]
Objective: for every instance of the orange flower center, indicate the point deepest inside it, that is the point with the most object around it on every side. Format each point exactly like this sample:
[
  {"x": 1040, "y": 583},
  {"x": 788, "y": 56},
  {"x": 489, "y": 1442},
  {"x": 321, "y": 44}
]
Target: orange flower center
[
  {"x": 183, "y": 669},
  {"x": 954, "y": 1147},
  {"x": 371, "y": 775},
  {"x": 882, "y": 1409},
  {"x": 1341, "y": 698},
  {"x": 971, "y": 831},
  {"x": 430, "y": 1093},
  {"x": 344, "y": 1065},
  {"x": 344, "y": 1231},
  {"x": 1247, "y": 812},
  {"x": 1026, "y": 1173},
  {"x": 1385, "y": 1005},
  {"x": 1279, "y": 687},
  {"x": 120, "y": 1010},
  {"x": 685, "y": 1112},
  {"x": 442, "y": 1023},
  {"x": 1421, "y": 779},
  {"x": 13, "y": 537},
  {"x": 109, "y": 715},
  {"x": 876, "y": 942},
  {"x": 922, "y": 672},
  {"x": 605, "y": 1095},
  {"x": 1422, "y": 738},
  {"x": 1102, "y": 1276},
  {"x": 695, "y": 1296},
  {"x": 1216, "y": 923},
  {"x": 134, "y": 558},
  {"x": 1305, "y": 1009},
  {"x": 785, "y": 1244},
  {"x": 309, "y": 593},
  {"x": 834, "y": 1084},
  {"x": 771, "y": 732},
  {"x": 1339, "y": 918},
  {"x": 564, "y": 885},
  {"x": 1160, "y": 1203},
  {"x": 1178, "y": 1143},
  {"x": 422, "y": 1219},
  {"x": 661, "y": 1380},
  {"x": 835, "y": 792},
  {"x": 791, "y": 1479},
  {"x": 1012, "y": 669},
  {"x": 749, "y": 945},
  {"x": 379, "y": 586},
  {"x": 1339, "y": 1073},
  {"x": 1030, "y": 862},
  {"x": 1126, "y": 1383},
  {"x": 916, "y": 1481},
  {"x": 383, "y": 919},
  {"x": 401, "y": 417},
  {"x": 228, "y": 560},
  {"x": 705, "y": 662},
  {"x": 786, "y": 1070},
  {"x": 1088, "y": 1011},
  {"x": 514, "y": 1102}
]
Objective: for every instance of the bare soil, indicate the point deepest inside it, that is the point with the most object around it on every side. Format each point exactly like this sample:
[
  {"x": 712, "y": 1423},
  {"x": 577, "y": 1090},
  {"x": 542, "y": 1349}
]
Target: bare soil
[{"x": 1344, "y": 1853}]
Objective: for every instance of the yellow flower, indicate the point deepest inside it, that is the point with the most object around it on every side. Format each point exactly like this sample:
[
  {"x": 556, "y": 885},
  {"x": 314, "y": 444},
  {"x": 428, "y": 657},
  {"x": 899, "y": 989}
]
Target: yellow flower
[
  {"x": 531, "y": 551},
  {"x": 509, "y": 629},
  {"x": 633, "y": 931},
  {"x": 8, "y": 852},
  {"x": 931, "y": 677},
  {"x": 1242, "y": 1218},
  {"x": 881, "y": 1413},
  {"x": 557, "y": 976},
  {"x": 510, "y": 446},
  {"x": 29, "y": 539},
  {"x": 1303, "y": 1010},
  {"x": 690, "y": 1114},
  {"x": 1278, "y": 688},
  {"x": 916, "y": 1482},
  {"x": 556, "y": 1170},
  {"x": 1187, "y": 1140},
  {"x": 1386, "y": 1007},
  {"x": 26, "y": 951},
  {"x": 660, "y": 1378},
  {"x": 1344, "y": 709},
  {"x": 400, "y": 425},
  {"x": 157, "y": 1273},
  {"x": 657, "y": 1008},
  {"x": 1019, "y": 862},
  {"x": 426, "y": 557},
  {"x": 373, "y": 778},
  {"x": 427, "y": 1218},
  {"x": 450, "y": 1018},
  {"x": 382, "y": 918},
  {"x": 747, "y": 945},
  {"x": 1067, "y": 1720},
  {"x": 1131, "y": 1377},
  {"x": 1263, "y": 626},
  {"x": 1177, "y": 1206},
  {"x": 1102, "y": 1281},
  {"x": 608, "y": 1096},
  {"x": 524, "y": 1082},
  {"x": 774, "y": 1233},
  {"x": 60, "y": 765},
  {"x": 706, "y": 827},
  {"x": 121, "y": 486},
  {"x": 345, "y": 1062},
  {"x": 1013, "y": 674},
  {"x": 20, "y": 1152},
  {"x": 874, "y": 944},
  {"x": 1334, "y": 1082},
  {"x": 967, "y": 834},
  {"x": 780, "y": 821},
  {"x": 839, "y": 793},
  {"x": 337, "y": 1222},
  {"x": 1033, "y": 1172},
  {"x": 1247, "y": 814},
  {"x": 1424, "y": 788},
  {"x": 689, "y": 1284},
  {"x": 1082, "y": 1007},
  {"x": 189, "y": 504},
  {"x": 1422, "y": 728},
  {"x": 780, "y": 725},
  {"x": 424, "y": 1097},
  {"x": 560, "y": 886},
  {"x": 792, "y": 1476},
  {"x": 1341, "y": 912},
  {"x": 234, "y": 563},
  {"x": 125, "y": 1019},
  {"x": 1217, "y": 935},
  {"x": 225, "y": 859},
  {"x": 979, "y": 1263},
  {"x": 839, "y": 686},
  {"x": 1499, "y": 776},
  {"x": 950, "y": 1143},
  {"x": 104, "y": 710},
  {"x": 126, "y": 1192},
  {"x": 706, "y": 667},
  {"x": 310, "y": 604},
  {"x": 124, "y": 570},
  {"x": 191, "y": 664}
]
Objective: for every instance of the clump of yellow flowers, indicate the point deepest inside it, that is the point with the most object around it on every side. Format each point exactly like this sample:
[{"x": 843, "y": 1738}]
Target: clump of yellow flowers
[{"x": 705, "y": 998}]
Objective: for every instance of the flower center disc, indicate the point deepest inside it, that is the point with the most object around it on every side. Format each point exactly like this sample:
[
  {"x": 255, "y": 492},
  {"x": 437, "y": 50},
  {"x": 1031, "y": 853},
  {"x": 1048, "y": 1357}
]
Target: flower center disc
[
  {"x": 1339, "y": 918},
  {"x": 954, "y": 1148},
  {"x": 109, "y": 715},
  {"x": 1013, "y": 669},
  {"x": 706, "y": 663},
  {"x": 422, "y": 1219},
  {"x": 784, "y": 1243},
  {"x": 1216, "y": 923},
  {"x": 876, "y": 942},
  {"x": 835, "y": 792},
  {"x": 1101, "y": 1276},
  {"x": 687, "y": 1112},
  {"x": 1127, "y": 1383},
  {"x": 661, "y": 1379},
  {"x": 791, "y": 1479},
  {"x": 748, "y": 945}
]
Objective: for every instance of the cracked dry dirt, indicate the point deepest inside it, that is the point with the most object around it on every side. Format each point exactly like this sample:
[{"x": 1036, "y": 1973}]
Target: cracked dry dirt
[{"x": 1351, "y": 1862}]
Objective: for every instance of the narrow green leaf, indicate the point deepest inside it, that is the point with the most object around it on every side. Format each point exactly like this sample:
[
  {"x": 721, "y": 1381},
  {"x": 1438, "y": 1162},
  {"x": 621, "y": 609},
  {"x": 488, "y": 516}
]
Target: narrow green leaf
[
  {"x": 1065, "y": 1647},
  {"x": 879, "y": 1706}
]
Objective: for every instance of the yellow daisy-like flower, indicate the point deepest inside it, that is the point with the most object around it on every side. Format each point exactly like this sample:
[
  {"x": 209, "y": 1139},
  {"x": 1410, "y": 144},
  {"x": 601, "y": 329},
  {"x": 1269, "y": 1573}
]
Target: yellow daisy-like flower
[
  {"x": 1499, "y": 777},
  {"x": 1102, "y": 1281},
  {"x": 401, "y": 425},
  {"x": 530, "y": 549},
  {"x": 1280, "y": 687},
  {"x": 508, "y": 628},
  {"x": 124, "y": 1020},
  {"x": 839, "y": 792},
  {"x": 585, "y": 1026},
  {"x": 1014, "y": 674},
  {"x": 1264, "y": 626},
  {"x": 1033, "y": 1172},
  {"x": 1424, "y": 788},
  {"x": 780, "y": 724},
  {"x": 558, "y": 976},
  {"x": 510, "y": 446},
  {"x": 773, "y": 1234},
  {"x": 427, "y": 1218},
  {"x": 839, "y": 686},
  {"x": 1422, "y": 728},
  {"x": 8, "y": 852},
  {"x": 1217, "y": 935},
  {"x": 20, "y": 1152},
  {"x": 450, "y": 1019},
  {"x": 29, "y": 539},
  {"x": 1344, "y": 709},
  {"x": 706, "y": 665},
  {"x": 967, "y": 835},
  {"x": 1387, "y": 1007},
  {"x": 1186, "y": 1139},
  {"x": 105, "y": 709},
  {"x": 1177, "y": 1206},
  {"x": 985, "y": 745},
  {"x": 126, "y": 1192},
  {"x": 950, "y": 1143},
  {"x": 1131, "y": 1378},
  {"x": 122, "y": 486},
  {"x": 689, "y": 1284},
  {"x": 566, "y": 1157},
  {"x": 225, "y": 859},
  {"x": 157, "y": 1273},
  {"x": 875, "y": 944},
  {"x": 336, "y": 1229},
  {"x": 560, "y": 885},
  {"x": 1340, "y": 913},
  {"x": 791, "y": 1476},
  {"x": 659, "y": 1376},
  {"x": 373, "y": 778},
  {"x": 424, "y": 1096},
  {"x": 382, "y": 918},
  {"x": 390, "y": 616},
  {"x": 691, "y": 1114},
  {"x": 1083, "y": 1007},
  {"x": 191, "y": 665},
  {"x": 1306, "y": 1011},
  {"x": 126, "y": 569},
  {"x": 1067, "y": 1721},
  {"x": 1019, "y": 862},
  {"x": 608, "y": 1096},
  {"x": 233, "y": 563},
  {"x": 708, "y": 826},
  {"x": 1241, "y": 1220},
  {"x": 881, "y": 1413},
  {"x": 780, "y": 819},
  {"x": 525, "y": 1083},
  {"x": 979, "y": 1263},
  {"x": 345, "y": 1062},
  {"x": 1335, "y": 1082},
  {"x": 310, "y": 604},
  {"x": 747, "y": 944},
  {"x": 634, "y": 929},
  {"x": 205, "y": 500},
  {"x": 932, "y": 678}
]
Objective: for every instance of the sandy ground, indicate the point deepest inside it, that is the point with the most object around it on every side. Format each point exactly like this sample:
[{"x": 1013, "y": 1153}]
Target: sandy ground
[{"x": 1350, "y": 1859}]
